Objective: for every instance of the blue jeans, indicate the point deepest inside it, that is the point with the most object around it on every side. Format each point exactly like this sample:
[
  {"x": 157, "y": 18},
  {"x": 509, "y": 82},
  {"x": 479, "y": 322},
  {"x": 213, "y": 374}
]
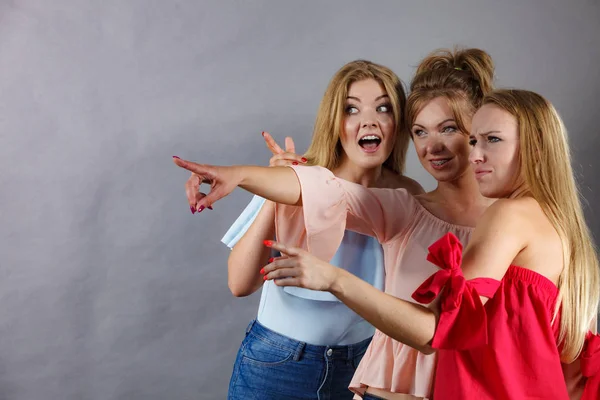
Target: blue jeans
[
  {"x": 270, "y": 366},
  {"x": 369, "y": 396}
]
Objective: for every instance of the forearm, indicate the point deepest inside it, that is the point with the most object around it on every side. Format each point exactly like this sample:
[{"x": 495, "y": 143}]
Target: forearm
[
  {"x": 278, "y": 184},
  {"x": 409, "y": 323},
  {"x": 249, "y": 254}
]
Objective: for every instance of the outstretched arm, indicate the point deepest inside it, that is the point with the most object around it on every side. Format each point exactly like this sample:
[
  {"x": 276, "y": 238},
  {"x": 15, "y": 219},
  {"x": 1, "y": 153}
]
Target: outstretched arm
[
  {"x": 278, "y": 184},
  {"x": 495, "y": 244}
]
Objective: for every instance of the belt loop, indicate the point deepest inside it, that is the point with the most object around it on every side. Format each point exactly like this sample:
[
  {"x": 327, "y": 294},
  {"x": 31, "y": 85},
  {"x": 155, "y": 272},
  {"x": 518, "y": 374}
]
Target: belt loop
[
  {"x": 350, "y": 352},
  {"x": 250, "y": 325},
  {"x": 299, "y": 351}
]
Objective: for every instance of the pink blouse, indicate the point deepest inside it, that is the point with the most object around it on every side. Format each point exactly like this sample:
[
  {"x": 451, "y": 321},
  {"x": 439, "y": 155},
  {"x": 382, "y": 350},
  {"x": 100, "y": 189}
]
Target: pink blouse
[{"x": 404, "y": 228}]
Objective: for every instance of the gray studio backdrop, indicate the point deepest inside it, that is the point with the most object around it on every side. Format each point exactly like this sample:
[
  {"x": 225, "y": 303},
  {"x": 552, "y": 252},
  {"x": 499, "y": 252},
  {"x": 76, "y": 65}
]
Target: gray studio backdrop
[{"x": 109, "y": 287}]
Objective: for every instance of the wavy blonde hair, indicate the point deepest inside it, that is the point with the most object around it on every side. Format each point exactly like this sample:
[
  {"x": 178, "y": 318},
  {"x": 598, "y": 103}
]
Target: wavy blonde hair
[
  {"x": 546, "y": 169},
  {"x": 463, "y": 77},
  {"x": 325, "y": 148}
]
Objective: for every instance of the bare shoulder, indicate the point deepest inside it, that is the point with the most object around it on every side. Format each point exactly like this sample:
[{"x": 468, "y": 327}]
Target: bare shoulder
[
  {"x": 507, "y": 218},
  {"x": 397, "y": 181}
]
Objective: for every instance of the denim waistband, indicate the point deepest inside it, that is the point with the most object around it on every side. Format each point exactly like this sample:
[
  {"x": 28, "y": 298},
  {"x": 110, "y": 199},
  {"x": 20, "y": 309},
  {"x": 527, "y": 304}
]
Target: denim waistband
[{"x": 303, "y": 349}]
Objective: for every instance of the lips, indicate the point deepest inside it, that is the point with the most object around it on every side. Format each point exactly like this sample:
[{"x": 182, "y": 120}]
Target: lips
[
  {"x": 439, "y": 163},
  {"x": 481, "y": 172}
]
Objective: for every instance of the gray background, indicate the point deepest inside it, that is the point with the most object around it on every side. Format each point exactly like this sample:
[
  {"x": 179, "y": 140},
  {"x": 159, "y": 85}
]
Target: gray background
[{"x": 109, "y": 287}]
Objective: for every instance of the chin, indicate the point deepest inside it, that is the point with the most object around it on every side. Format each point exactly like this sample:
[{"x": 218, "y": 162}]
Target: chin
[
  {"x": 443, "y": 176},
  {"x": 370, "y": 162},
  {"x": 490, "y": 192}
]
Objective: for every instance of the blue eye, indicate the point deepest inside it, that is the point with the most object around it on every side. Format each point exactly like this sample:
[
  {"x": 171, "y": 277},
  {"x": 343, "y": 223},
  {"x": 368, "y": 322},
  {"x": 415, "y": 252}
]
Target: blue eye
[
  {"x": 351, "y": 110},
  {"x": 418, "y": 132},
  {"x": 385, "y": 108},
  {"x": 493, "y": 139},
  {"x": 449, "y": 129}
]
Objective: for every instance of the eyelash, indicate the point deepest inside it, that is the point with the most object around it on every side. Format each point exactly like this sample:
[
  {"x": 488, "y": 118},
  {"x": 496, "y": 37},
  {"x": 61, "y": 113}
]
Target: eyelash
[
  {"x": 349, "y": 108},
  {"x": 446, "y": 129},
  {"x": 491, "y": 139}
]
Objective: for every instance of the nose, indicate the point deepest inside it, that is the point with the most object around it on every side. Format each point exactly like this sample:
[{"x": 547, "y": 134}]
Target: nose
[
  {"x": 369, "y": 119},
  {"x": 476, "y": 155},
  {"x": 434, "y": 145}
]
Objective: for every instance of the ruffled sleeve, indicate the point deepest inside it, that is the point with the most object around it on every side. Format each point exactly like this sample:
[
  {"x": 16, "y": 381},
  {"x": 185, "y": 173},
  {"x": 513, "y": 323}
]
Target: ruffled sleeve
[
  {"x": 331, "y": 205},
  {"x": 243, "y": 222},
  {"x": 463, "y": 320},
  {"x": 590, "y": 367}
]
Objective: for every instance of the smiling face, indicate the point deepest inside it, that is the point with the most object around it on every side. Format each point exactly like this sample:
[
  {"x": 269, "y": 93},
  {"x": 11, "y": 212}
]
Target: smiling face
[
  {"x": 441, "y": 147},
  {"x": 369, "y": 129},
  {"x": 495, "y": 152}
]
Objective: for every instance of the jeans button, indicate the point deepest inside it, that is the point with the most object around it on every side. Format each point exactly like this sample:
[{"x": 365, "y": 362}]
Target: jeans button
[{"x": 329, "y": 352}]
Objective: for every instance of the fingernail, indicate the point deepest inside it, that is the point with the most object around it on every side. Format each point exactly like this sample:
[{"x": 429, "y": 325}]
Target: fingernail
[
  {"x": 209, "y": 207},
  {"x": 193, "y": 210},
  {"x": 262, "y": 271},
  {"x": 294, "y": 163},
  {"x": 263, "y": 134},
  {"x": 271, "y": 260},
  {"x": 265, "y": 278},
  {"x": 304, "y": 159},
  {"x": 201, "y": 208},
  {"x": 176, "y": 157},
  {"x": 268, "y": 243}
]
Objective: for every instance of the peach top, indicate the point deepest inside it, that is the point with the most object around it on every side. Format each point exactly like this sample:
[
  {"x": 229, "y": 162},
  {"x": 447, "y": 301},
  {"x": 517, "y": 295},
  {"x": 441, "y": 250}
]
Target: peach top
[{"x": 404, "y": 228}]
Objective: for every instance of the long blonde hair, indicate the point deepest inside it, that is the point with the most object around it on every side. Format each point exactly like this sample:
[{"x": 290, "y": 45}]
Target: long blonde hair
[
  {"x": 463, "y": 77},
  {"x": 546, "y": 169},
  {"x": 326, "y": 149}
]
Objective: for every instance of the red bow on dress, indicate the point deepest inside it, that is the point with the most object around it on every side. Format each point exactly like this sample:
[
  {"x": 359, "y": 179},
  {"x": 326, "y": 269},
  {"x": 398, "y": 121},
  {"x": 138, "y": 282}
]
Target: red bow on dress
[{"x": 463, "y": 320}]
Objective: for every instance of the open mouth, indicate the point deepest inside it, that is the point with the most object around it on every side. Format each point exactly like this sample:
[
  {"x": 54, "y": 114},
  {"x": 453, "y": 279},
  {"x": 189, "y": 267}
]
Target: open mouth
[{"x": 369, "y": 143}]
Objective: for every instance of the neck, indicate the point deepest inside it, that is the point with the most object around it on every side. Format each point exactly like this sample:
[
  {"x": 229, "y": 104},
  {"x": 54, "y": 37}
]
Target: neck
[
  {"x": 462, "y": 191},
  {"x": 367, "y": 177},
  {"x": 521, "y": 191}
]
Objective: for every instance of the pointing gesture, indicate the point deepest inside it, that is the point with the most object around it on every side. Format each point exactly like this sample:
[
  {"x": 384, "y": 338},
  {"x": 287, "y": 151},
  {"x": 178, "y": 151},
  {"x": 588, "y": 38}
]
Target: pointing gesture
[{"x": 222, "y": 181}]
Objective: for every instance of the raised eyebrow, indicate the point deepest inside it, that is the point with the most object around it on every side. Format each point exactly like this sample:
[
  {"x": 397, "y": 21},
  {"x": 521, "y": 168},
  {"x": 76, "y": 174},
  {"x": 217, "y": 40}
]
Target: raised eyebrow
[
  {"x": 383, "y": 96},
  {"x": 440, "y": 124},
  {"x": 446, "y": 120}
]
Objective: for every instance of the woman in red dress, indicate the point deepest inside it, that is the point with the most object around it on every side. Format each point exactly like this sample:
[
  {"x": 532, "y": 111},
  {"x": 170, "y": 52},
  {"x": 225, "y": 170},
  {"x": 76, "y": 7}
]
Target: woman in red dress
[{"x": 522, "y": 299}]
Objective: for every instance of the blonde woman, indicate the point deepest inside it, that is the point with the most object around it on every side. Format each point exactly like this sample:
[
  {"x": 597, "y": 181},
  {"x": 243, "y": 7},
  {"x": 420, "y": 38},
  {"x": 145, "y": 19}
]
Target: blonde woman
[
  {"x": 306, "y": 344},
  {"x": 447, "y": 89}
]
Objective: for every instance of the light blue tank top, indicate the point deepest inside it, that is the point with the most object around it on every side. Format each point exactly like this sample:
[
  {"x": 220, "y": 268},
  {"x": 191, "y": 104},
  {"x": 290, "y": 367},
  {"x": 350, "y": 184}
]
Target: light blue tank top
[{"x": 311, "y": 316}]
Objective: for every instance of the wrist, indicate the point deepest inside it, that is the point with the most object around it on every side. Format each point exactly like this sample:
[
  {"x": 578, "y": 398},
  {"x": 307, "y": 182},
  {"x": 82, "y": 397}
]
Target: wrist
[{"x": 336, "y": 286}]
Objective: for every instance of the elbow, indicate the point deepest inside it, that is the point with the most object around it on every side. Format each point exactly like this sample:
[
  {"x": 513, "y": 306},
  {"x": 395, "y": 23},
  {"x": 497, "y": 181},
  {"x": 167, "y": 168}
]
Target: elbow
[
  {"x": 427, "y": 349},
  {"x": 238, "y": 290},
  {"x": 238, "y": 286}
]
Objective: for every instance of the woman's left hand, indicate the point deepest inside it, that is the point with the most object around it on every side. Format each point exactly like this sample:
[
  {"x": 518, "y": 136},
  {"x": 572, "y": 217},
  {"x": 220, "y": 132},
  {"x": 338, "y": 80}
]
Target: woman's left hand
[{"x": 299, "y": 268}]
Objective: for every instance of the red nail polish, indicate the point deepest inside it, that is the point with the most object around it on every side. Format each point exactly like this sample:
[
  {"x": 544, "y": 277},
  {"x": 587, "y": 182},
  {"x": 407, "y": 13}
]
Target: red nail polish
[
  {"x": 271, "y": 260},
  {"x": 201, "y": 208},
  {"x": 209, "y": 207},
  {"x": 262, "y": 271},
  {"x": 294, "y": 163},
  {"x": 268, "y": 243},
  {"x": 193, "y": 210},
  {"x": 265, "y": 278},
  {"x": 176, "y": 157},
  {"x": 263, "y": 134},
  {"x": 304, "y": 159}
]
